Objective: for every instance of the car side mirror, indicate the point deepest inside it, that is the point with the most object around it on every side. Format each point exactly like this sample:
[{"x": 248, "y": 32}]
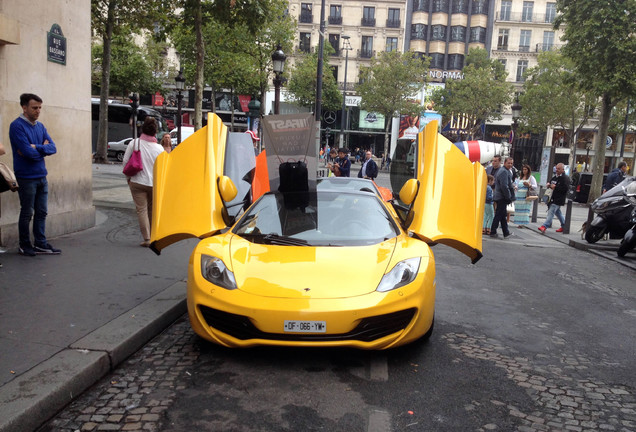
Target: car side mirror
[
  {"x": 409, "y": 191},
  {"x": 227, "y": 189}
]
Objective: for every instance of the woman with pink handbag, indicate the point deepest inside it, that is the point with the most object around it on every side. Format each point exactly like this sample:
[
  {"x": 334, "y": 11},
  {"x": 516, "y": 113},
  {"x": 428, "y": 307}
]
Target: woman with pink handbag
[{"x": 139, "y": 161}]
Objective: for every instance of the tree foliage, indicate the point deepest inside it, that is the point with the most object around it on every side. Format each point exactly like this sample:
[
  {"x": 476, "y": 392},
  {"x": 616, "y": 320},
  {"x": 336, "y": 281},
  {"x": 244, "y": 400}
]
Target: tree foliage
[
  {"x": 601, "y": 46},
  {"x": 552, "y": 98},
  {"x": 389, "y": 84},
  {"x": 479, "y": 96},
  {"x": 303, "y": 82},
  {"x": 111, "y": 19}
]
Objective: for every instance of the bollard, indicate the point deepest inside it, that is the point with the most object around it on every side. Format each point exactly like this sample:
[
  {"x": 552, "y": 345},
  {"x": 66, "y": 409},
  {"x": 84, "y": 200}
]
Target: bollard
[
  {"x": 535, "y": 210},
  {"x": 568, "y": 217}
]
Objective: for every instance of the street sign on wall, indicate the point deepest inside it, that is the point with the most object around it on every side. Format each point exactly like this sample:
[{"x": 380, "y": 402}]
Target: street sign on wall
[{"x": 56, "y": 45}]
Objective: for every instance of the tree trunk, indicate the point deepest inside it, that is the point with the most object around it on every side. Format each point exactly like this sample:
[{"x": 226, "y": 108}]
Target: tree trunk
[
  {"x": 101, "y": 153},
  {"x": 198, "y": 84},
  {"x": 599, "y": 157},
  {"x": 389, "y": 122}
]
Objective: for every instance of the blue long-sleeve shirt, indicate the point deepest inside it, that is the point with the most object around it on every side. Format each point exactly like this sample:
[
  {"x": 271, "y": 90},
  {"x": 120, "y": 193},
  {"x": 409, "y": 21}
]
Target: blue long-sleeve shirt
[{"x": 28, "y": 162}]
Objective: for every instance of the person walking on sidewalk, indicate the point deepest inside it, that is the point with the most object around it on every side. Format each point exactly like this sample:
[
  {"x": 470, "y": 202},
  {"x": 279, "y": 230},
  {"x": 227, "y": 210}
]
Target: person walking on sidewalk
[
  {"x": 141, "y": 183},
  {"x": 504, "y": 194},
  {"x": 616, "y": 176},
  {"x": 369, "y": 168},
  {"x": 559, "y": 185},
  {"x": 31, "y": 143},
  {"x": 2, "y": 151}
]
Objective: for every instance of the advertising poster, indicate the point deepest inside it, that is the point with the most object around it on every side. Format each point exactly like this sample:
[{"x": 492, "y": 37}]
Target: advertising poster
[
  {"x": 409, "y": 127},
  {"x": 370, "y": 120},
  {"x": 545, "y": 171},
  {"x": 289, "y": 140}
]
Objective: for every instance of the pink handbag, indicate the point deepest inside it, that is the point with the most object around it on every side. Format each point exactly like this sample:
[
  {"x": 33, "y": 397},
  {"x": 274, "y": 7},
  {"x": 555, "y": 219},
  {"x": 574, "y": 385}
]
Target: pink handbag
[{"x": 134, "y": 164}]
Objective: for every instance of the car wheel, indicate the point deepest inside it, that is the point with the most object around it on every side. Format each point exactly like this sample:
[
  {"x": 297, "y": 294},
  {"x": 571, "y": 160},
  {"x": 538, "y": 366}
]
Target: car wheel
[
  {"x": 428, "y": 334},
  {"x": 120, "y": 156},
  {"x": 594, "y": 234}
]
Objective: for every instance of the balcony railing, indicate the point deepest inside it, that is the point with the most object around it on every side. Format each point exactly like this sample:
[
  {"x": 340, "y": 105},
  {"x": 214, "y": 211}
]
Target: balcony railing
[
  {"x": 366, "y": 53},
  {"x": 306, "y": 17},
  {"x": 502, "y": 47},
  {"x": 335, "y": 20},
  {"x": 524, "y": 48},
  {"x": 547, "y": 47},
  {"x": 368, "y": 22},
  {"x": 393, "y": 23},
  {"x": 522, "y": 17}
]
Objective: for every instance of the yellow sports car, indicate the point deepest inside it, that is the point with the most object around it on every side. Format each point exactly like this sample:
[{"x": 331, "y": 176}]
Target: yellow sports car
[{"x": 322, "y": 268}]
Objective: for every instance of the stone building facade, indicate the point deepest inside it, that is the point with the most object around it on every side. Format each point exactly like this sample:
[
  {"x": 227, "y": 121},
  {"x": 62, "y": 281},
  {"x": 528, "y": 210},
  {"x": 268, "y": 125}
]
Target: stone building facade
[{"x": 45, "y": 49}]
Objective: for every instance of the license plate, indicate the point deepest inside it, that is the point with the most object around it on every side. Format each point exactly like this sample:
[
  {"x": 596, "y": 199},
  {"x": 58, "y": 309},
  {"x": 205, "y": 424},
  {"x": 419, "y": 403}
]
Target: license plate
[{"x": 305, "y": 326}]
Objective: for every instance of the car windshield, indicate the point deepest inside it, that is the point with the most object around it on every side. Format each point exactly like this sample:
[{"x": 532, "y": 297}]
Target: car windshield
[
  {"x": 346, "y": 183},
  {"x": 317, "y": 219}
]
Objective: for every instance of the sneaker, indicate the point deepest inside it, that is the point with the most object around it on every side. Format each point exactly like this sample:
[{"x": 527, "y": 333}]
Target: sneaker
[
  {"x": 542, "y": 229},
  {"x": 47, "y": 249},
  {"x": 494, "y": 236},
  {"x": 27, "y": 251},
  {"x": 509, "y": 235},
  {"x": 560, "y": 230}
]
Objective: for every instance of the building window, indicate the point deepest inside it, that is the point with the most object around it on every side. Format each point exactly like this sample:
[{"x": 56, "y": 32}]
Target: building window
[
  {"x": 502, "y": 39},
  {"x": 506, "y": 6},
  {"x": 456, "y": 61},
  {"x": 440, "y": 6},
  {"x": 524, "y": 40},
  {"x": 391, "y": 44},
  {"x": 480, "y": 7},
  {"x": 368, "y": 16},
  {"x": 548, "y": 40},
  {"x": 522, "y": 65},
  {"x": 460, "y": 6},
  {"x": 367, "y": 47},
  {"x": 503, "y": 62},
  {"x": 526, "y": 13},
  {"x": 334, "y": 41},
  {"x": 305, "y": 42},
  {"x": 439, "y": 33},
  {"x": 305, "y": 13},
  {"x": 418, "y": 31},
  {"x": 334, "y": 71},
  {"x": 393, "y": 21},
  {"x": 335, "y": 14},
  {"x": 550, "y": 12},
  {"x": 437, "y": 61},
  {"x": 458, "y": 34},
  {"x": 420, "y": 5},
  {"x": 477, "y": 34}
]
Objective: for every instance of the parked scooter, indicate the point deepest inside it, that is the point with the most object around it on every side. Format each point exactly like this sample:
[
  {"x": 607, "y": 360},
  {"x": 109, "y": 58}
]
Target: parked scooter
[
  {"x": 613, "y": 213},
  {"x": 629, "y": 240}
]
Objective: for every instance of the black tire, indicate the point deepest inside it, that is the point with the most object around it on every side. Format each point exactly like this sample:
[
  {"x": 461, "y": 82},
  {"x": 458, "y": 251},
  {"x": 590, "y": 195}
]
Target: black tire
[
  {"x": 624, "y": 248},
  {"x": 428, "y": 334},
  {"x": 120, "y": 156},
  {"x": 594, "y": 234}
]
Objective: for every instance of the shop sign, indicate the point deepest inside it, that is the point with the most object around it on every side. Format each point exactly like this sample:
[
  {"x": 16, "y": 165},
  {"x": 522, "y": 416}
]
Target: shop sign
[{"x": 56, "y": 45}]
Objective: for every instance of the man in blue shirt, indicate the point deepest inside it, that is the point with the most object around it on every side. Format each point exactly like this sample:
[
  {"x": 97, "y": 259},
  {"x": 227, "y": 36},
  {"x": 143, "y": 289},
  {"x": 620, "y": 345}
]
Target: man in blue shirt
[{"x": 31, "y": 143}]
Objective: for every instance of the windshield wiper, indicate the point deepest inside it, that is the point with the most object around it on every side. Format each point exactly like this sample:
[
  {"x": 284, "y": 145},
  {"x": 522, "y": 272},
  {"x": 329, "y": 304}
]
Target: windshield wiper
[{"x": 274, "y": 239}]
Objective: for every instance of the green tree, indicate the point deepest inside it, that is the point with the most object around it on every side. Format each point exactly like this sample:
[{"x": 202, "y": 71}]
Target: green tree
[
  {"x": 248, "y": 14},
  {"x": 602, "y": 47},
  {"x": 111, "y": 18},
  {"x": 479, "y": 96},
  {"x": 303, "y": 82},
  {"x": 389, "y": 84},
  {"x": 552, "y": 98}
]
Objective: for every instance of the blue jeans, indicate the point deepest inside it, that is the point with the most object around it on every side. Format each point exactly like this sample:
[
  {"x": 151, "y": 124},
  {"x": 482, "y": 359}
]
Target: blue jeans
[
  {"x": 34, "y": 195},
  {"x": 554, "y": 210}
]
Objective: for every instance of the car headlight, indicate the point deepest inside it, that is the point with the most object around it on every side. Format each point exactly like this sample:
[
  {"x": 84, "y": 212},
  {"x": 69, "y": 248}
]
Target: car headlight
[
  {"x": 214, "y": 270},
  {"x": 402, "y": 274}
]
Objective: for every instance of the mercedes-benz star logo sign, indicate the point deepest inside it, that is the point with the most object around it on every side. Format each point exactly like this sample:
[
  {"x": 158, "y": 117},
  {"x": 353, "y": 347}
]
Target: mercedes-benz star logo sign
[{"x": 329, "y": 117}]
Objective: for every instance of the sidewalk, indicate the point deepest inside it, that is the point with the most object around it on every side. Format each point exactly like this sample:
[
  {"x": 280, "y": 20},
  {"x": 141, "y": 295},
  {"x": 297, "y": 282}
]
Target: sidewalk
[{"x": 67, "y": 320}]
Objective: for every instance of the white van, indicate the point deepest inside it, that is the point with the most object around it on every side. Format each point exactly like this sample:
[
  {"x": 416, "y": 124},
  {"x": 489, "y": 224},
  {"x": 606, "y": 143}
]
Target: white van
[{"x": 186, "y": 131}]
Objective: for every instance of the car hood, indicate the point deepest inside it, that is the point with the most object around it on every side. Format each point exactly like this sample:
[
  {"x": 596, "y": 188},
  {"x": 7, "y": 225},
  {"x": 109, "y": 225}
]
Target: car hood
[{"x": 308, "y": 272}]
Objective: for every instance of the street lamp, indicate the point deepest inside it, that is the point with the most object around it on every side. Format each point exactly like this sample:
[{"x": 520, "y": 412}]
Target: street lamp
[
  {"x": 180, "y": 84},
  {"x": 278, "y": 60},
  {"x": 516, "y": 114},
  {"x": 347, "y": 47}
]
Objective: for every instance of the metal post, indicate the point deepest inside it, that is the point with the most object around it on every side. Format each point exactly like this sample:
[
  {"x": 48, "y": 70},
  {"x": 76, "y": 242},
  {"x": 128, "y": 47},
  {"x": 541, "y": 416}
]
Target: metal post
[
  {"x": 179, "y": 99},
  {"x": 535, "y": 206},
  {"x": 624, "y": 130},
  {"x": 321, "y": 44},
  {"x": 568, "y": 217},
  {"x": 277, "y": 84},
  {"x": 345, "y": 46}
]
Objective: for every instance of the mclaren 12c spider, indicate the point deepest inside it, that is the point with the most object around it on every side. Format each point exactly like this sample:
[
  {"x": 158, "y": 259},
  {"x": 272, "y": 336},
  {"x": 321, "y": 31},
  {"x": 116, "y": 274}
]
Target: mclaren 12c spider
[{"x": 328, "y": 267}]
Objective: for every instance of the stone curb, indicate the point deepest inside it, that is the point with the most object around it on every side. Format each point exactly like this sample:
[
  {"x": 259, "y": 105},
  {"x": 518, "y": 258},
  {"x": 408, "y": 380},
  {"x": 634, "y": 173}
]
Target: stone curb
[{"x": 34, "y": 397}]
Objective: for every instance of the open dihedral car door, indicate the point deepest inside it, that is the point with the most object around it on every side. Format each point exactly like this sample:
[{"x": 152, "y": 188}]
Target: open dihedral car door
[
  {"x": 449, "y": 206},
  {"x": 186, "y": 198}
]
